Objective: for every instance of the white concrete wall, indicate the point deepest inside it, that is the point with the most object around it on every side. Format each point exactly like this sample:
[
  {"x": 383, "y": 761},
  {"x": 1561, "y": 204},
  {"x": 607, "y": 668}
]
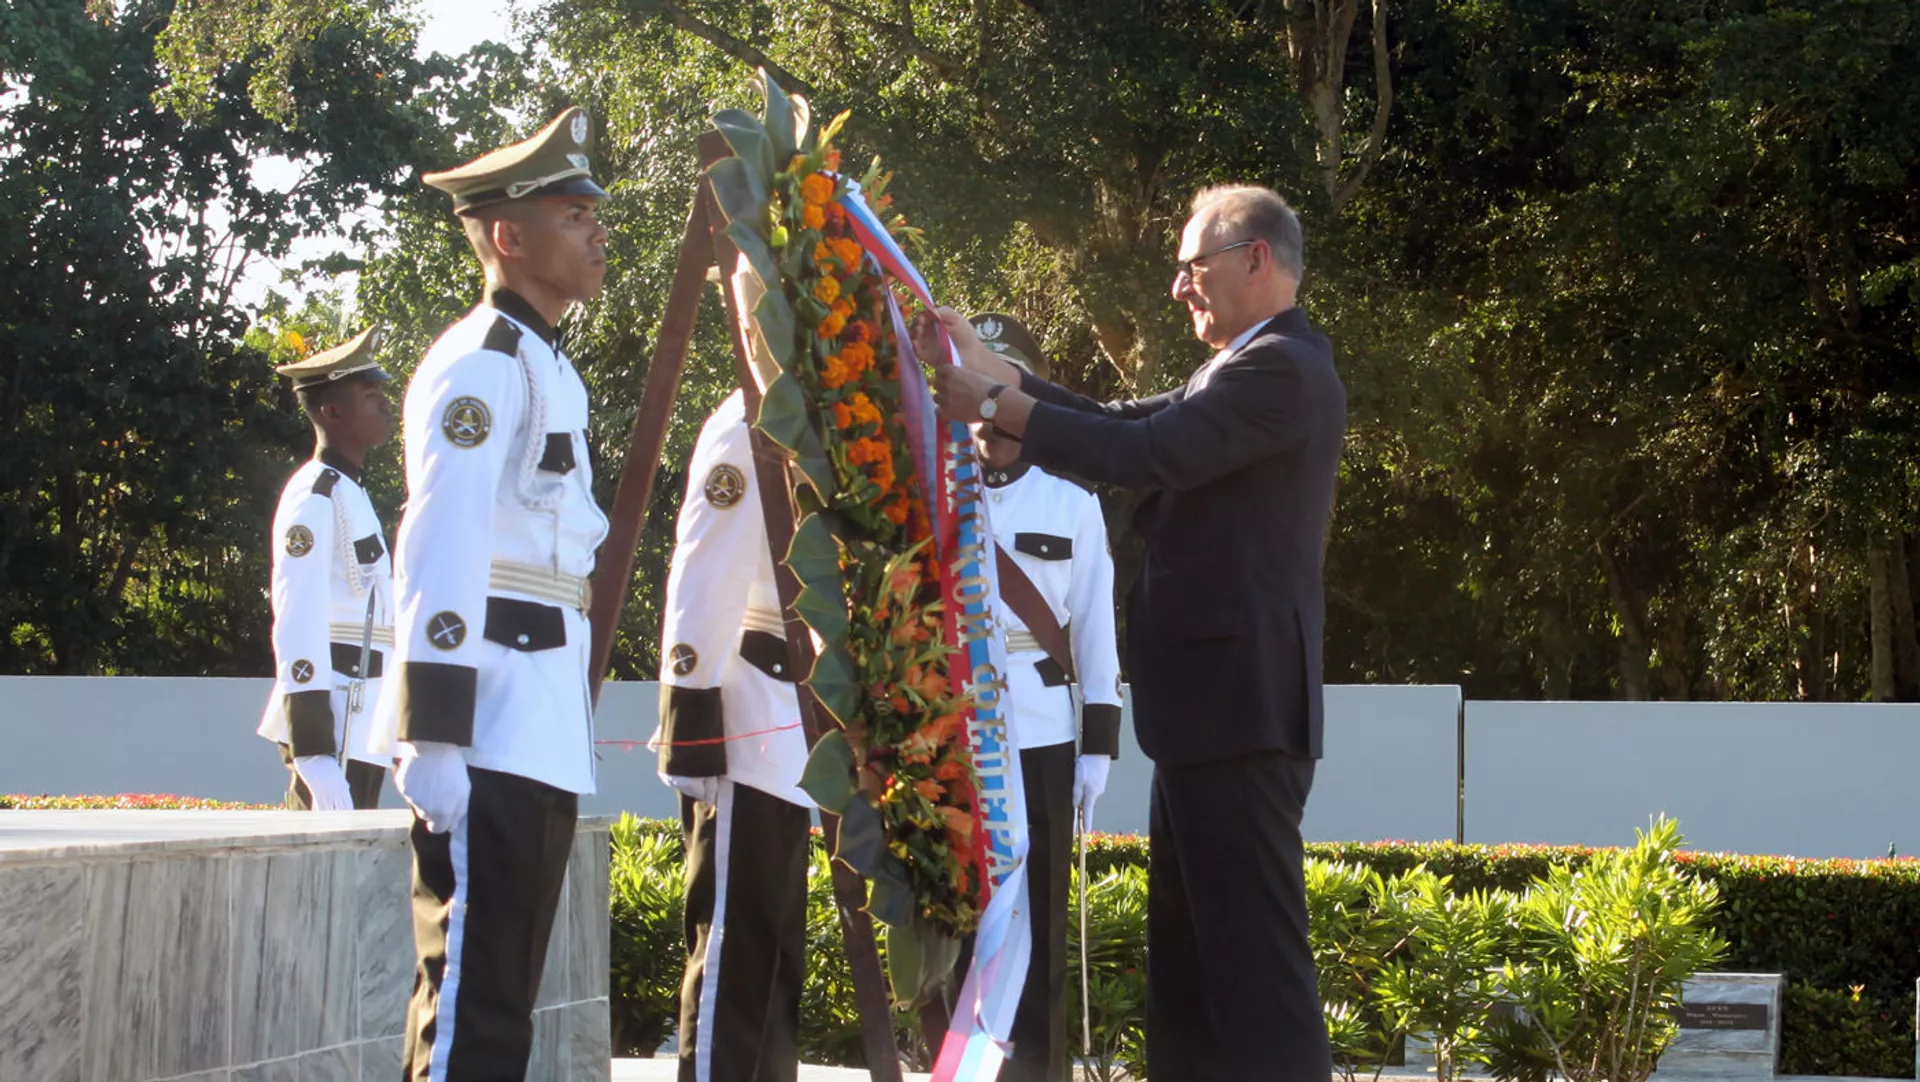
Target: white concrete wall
[
  {"x": 1389, "y": 773},
  {"x": 1800, "y": 779},
  {"x": 1811, "y": 780}
]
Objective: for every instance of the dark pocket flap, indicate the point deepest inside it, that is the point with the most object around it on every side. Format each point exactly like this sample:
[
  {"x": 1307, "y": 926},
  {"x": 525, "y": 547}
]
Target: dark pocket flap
[
  {"x": 369, "y": 549},
  {"x": 767, "y": 652},
  {"x": 1051, "y": 674},
  {"x": 346, "y": 660},
  {"x": 559, "y": 456},
  {"x": 1043, "y": 546},
  {"x": 525, "y": 625}
]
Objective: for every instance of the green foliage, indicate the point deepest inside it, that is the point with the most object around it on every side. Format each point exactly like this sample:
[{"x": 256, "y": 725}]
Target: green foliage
[
  {"x": 1846, "y": 1031},
  {"x": 1602, "y": 955},
  {"x": 1116, "y": 960},
  {"x": 648, "y": 946},
  {"x": 1440, "y": 981}
]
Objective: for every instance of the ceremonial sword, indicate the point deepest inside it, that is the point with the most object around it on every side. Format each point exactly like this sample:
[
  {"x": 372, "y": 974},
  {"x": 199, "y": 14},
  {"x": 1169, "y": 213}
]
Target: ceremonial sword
[
  {"x": 1086, "y": 1008},
  {"x": 357, "y": 687}
]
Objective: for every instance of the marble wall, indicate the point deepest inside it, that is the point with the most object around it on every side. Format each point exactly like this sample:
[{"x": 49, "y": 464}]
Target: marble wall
[{"x": 173, "y": 946}]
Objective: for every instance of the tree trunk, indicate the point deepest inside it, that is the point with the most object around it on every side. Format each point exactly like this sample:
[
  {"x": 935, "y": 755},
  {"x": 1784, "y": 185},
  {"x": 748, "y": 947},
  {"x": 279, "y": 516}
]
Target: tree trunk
[
  {"x": 1906, "y": 644},
  {"x": 1636, "y": 653},
  {"x": 1880, "y": 620},
  {"x": 1553, "y": 661}
]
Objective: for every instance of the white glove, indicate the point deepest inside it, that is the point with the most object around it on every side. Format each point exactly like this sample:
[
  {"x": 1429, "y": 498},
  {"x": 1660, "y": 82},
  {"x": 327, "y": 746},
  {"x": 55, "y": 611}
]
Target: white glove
[
  {"x": 705, "y": 790},
  {"x": 326, "y": 782},
  {"x": 433, "y": 778},
  {"x": 1089, "y": 781}
]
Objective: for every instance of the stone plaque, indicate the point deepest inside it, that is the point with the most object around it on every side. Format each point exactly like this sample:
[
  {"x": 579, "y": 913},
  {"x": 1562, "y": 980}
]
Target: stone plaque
[
  {"x": 1723, "y": 1016},
  {"x": 1729, "y": 1028}
]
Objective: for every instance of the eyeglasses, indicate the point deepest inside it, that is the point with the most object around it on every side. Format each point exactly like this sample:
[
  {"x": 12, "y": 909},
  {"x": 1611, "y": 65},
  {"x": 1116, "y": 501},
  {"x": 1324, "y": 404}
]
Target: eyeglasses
[{"x": 1188, "y": 266}]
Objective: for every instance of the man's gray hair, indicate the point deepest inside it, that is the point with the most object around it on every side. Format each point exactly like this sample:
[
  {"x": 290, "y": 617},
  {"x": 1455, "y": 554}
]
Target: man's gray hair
[{"x": 1255, "y": 213}]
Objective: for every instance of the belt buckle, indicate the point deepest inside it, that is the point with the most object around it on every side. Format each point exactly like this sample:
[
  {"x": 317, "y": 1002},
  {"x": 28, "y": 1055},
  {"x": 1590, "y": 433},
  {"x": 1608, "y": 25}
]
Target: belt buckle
[{"x": 586, "y": 595}]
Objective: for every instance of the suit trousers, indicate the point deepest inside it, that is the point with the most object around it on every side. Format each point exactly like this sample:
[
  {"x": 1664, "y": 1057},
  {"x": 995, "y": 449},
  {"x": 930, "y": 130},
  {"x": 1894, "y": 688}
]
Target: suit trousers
[
  {"x": 484, "y": 898},
  {"x": 1231, "y": 991},
  {"x": 746, "y": 927}
]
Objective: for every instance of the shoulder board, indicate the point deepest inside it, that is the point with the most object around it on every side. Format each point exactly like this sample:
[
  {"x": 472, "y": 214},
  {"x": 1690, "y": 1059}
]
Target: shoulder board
[
  {"x": 323, "y": 484},
  {"x": 503, "y": 337}
]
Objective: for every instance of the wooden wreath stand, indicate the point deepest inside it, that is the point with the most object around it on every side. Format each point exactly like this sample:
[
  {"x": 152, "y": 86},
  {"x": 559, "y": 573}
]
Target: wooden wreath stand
[{"x": 703, "y": 247}]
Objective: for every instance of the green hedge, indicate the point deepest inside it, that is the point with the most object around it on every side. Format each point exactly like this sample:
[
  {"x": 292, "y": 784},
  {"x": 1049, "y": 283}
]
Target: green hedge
[{"x": 1842, "y": 930}]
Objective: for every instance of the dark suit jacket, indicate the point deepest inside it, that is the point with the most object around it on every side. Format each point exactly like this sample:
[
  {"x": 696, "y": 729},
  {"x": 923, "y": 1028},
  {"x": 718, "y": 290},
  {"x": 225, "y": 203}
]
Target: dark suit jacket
[{"x": 1224, "y": 624}]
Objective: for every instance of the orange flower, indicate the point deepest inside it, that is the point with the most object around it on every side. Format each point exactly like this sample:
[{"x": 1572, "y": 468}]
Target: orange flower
[
  {"x": 835, "y": 373},
  {"x": 859, "y": 358},
  {"x": 951, "y": 770},
  {"x": 882, "y": 475},
  {"x": 843, "y": 308},
  {"x": 958, "y": 822},
  {"x": 831, "y": 326},
  {"x": 930, "y": 789},
  {"x": 862, "y": 331},
  {"x": 836, "y": 214},
  {"x": 833, "y": 160},
  {"x": 812, "y": 218},
  {"x": 847, "y": 251},
  {"x": 932, "y": 685},
  {"x": 816, "y": 190},
  {"x": 863, "y": 408},
  {"x": 827, "y": 289},
  {"x": 897, "y": 512},
  {"x": 842, "y": 418}
]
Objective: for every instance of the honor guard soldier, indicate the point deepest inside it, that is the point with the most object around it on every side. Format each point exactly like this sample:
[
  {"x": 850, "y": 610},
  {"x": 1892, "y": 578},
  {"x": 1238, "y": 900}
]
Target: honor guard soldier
[
  {"x": 332, "y": 588},
  {"x": 730, "y": 740},
  {"x": 1050, "y": 529},
  {"x": 491, "y": 693}
]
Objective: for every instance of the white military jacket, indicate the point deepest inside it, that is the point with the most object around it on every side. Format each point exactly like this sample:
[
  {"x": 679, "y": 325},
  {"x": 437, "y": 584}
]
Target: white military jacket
[
  {"x": 495, "y": 548},
  {"x": 728, "y": 704},
  {"x": 1053, "y": 530},
  {"x": 329, "y": 560}
]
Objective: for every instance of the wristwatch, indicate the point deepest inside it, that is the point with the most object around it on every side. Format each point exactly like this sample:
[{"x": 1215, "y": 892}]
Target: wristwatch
[{"x": 988, "y": 407}]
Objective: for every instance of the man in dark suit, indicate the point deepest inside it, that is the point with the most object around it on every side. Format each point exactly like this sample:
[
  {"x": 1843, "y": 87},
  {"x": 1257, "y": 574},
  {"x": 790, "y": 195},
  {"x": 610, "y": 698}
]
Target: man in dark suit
[{"x": 1224, "y": 629}]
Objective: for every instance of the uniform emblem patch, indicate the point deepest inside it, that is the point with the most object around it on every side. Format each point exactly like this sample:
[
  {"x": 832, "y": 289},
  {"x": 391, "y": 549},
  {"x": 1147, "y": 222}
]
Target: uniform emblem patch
[
  {"x": 580, "y": 129},
  {"x": 725, "y": 486},
  {"x": 466, "y": 422},
  {"x": 299, "y": 540},
  {"x": 302, "y": 671},
  {"x": 682, "y": 659},
  {"x": 446, "y": 631}
]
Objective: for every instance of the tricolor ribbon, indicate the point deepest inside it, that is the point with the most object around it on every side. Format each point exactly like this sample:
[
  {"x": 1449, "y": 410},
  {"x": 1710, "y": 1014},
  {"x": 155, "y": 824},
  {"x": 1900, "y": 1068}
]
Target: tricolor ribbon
[{"x": 979, "y": 1038}]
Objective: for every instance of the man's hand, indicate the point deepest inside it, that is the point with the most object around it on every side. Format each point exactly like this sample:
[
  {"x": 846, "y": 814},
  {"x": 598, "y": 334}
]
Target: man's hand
[
  {"x": 1089, "y": 781},
  {"x": 958, "y": 392},
  {"x": 706, "y": 790},
  {"x": 433, "y": 778},
  {"x": 974, "y": 355},
  {"x": 326, "y": 782}
]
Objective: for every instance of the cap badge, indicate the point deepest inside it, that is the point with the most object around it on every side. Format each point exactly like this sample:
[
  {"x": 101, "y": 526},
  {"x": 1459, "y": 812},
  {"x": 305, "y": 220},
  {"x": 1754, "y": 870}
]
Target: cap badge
[
  {"x": 579, "y": 161},
  {"x": 991, "y": 329},
  {"x": 580, "y": 129}
]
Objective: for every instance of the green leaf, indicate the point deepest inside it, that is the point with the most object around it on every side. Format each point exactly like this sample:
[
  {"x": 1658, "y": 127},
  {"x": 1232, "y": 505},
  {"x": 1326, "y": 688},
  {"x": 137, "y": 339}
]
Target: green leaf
[
  {"x": 889, "y": 898},
  {"x": 822, "y": 605},
  {"x": 812, "y": 459},
  {"x": 919, "y": 959},
  {"x": 742, "y": 194},
  {"x": 834, "y": 125},
  {"x": 863, "y": 836},
  {"x": 783, "y": 412},
  {"x": 836, "y": 683},
  {"x": 779, "y": 118},
  {"x": 828, "y": 775},
  {"x": 775, "y": 318},
  {"x": 748, "y": 138},
  {"x": 759, "y": 256},
  {"x": 811, "y": 310},
  {"x": 814, "y": 555}
]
